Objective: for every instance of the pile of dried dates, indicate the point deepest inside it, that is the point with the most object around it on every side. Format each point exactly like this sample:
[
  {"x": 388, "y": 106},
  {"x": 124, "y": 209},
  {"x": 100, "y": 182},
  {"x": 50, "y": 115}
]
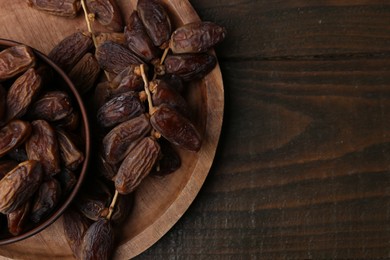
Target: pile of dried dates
[
  {"x": 136, "y": 71},
  {"x": 40, "y": 145}
]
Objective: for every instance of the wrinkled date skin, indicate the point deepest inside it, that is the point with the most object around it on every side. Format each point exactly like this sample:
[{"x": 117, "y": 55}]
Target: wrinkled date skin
[
  {"x": 190, "y": 66},
  {"x": 85, "y": 73},
  {"x": 114, "y": 57},
  {"x": 18, "y": 186},
  {"x": 156, "y": 21},
  {"x": 110, "y": 36},
  {"x": 120, "y": 109},
  {"x": 13, "y": 134},
  {"x": 196, "y": 37},
  {"x": 66, "y": 8},
  {"x": 52, "y": 106},
  {"x": 129, "y": 79},
  {"x": 15, "y": 60},
  {"x": 170, "y": 160},
  {"x": 176, "y": 128},
  {"x": 71, "y": 122},
  {"x": 46, "y": 200},
  {"x": 106, "y": 13},
  {"x": 162, "y": 93},
  {"x": 18, "y": 218},
  {"x": 75, "y": 225},
  {"x": 94, "y": 199},
  {"x": 22, "y": 93},
  {"x": 120, "y": 140},
  {"x": 98, "y": 241},
  {"x": 70, "y": 50},
  {"x": 43, "y": 146},
  {"x": 71, "y": 156},
  {"x": 137, "y": 165},
  {"x": 138, "y": 40}
]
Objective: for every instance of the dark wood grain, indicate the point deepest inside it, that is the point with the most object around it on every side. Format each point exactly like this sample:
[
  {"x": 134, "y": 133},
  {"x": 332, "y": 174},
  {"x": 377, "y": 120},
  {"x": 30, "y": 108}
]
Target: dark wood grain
[{"x": 303, "y": 166}]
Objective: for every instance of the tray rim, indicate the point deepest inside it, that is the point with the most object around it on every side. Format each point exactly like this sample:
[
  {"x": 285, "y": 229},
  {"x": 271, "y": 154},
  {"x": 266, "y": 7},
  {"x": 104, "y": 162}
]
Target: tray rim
[{"x": 184, "y": 12}]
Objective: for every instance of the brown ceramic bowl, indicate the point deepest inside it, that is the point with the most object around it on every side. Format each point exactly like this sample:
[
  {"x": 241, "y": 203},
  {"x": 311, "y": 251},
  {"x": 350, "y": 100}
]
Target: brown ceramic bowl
[{"x": 66, "y": 85}]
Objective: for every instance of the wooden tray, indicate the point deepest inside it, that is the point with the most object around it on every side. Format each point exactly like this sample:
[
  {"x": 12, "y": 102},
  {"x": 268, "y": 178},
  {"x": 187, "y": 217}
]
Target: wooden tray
[{"x": 160, "y": 202}]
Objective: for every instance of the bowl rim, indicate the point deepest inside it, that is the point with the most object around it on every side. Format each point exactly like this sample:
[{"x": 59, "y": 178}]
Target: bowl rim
[{"x": 56, "y": 214}]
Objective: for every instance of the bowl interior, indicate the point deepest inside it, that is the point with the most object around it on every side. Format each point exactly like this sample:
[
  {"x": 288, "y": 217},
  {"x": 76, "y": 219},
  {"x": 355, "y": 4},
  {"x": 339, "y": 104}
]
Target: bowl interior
[{"x": 65, "y": 84}]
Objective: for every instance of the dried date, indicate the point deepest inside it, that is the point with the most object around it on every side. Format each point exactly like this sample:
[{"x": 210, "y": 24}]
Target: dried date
[
  {"x": 94, "y": 199},
  {"x": 138, "y": 40},
  {"x": 47, "y": 198},
  {"x": 19, "y": 185},
  {"x": 106, "y": 169},
  {"x": 43, "y": 146},
  {"x": 190, "y": 66},
  {"x": 110, "y": 36},
  {"x": 106, "y": 13},
  {"x": 120, "y": 109},
  {"x": 15, "y": 60},
  {"x": 114, "y": 57},
  {"x": 129, "y": 79},
  {"x": 52, "y": 106},
  {"x": 71, "y": 122},
  {"x": 75, "y": 225},
  {"x": 102, "y": 94},
  {"x": 66, "y": 8},
  {"x": 71, "y": 156},
  {"x": 126, "y": 81},
  {"x": 67, "y": 180},
  {"x": 22, "y": 93},
  {"x": 120, "y": 140},
  {"x": 18, "y": 218},
  {"x": 70, "y": 50},
  {"x": 196, "y": 37},
  {"x": 85, "y": 73},
  {"x": 98, "y": 241},
  {"x": 156, "y": 21},
  {"x": 162, "y": 93},
  {"x": 137, "y": 165},
  {"x": 169, "y": 162},
  {"x": 13, "y": 134},
  {"x": 176, "y": 128}
]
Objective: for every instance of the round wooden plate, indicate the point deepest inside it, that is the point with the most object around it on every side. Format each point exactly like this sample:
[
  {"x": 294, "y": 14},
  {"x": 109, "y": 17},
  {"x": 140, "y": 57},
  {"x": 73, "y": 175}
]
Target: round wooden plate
[{"x": 160, "y": 202}]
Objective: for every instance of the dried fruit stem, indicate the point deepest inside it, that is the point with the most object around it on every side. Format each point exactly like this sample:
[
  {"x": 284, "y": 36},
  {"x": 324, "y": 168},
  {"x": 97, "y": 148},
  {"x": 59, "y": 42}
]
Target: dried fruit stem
[
  {"x": 164, "y": 55},
  {"x": 166, "y": 50},
  {"x": 89, "y": 17},
  {"x": 147, "y": 91},
  {"x": 112, "y": 205}
]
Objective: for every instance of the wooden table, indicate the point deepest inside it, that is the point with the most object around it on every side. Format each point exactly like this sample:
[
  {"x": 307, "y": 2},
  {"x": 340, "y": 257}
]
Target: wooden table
[{"x": 303, "y": 165}]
